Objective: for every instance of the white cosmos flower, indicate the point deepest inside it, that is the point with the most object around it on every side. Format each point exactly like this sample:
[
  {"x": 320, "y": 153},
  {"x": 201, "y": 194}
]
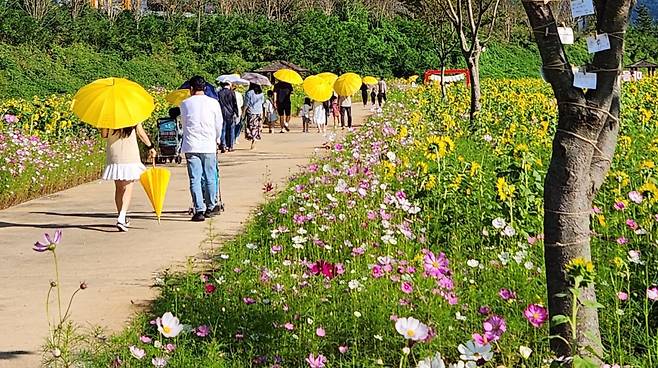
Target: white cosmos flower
[
  {"x": 432, "y": 362},
  {"x": 354, "y": 284},
  {"x": 391, "y": 156},
  {"x": 525, "y": 352},
  {"x": 504, "y": 258},
  {"x": 473, "y": 263},
  {"x": 636, "y": 197},
  {"x": 341, "y": 186},
  {"x": 461, "y": 364},
  {"x": 498, "y": 223},
  {"x": 159, "y": 362},
  {"x": 528, "y": 265},
  {"x": 137, "y": 352},
  {"x": 473, "y": 352},
  {"x": 487, "y": 138},
  {"x": 509, "y": 231},
  {"x": 251, "y": 246},
  {"x": 634, "y": 257},
  {"x": 168, "y": 325},
  {"x": 331, "y": 198},
  {"x": 412, "y": 329}
]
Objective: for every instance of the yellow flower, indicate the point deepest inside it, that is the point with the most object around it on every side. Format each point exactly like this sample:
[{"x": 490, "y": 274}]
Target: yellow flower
[
  {"x": 430, "y": 183},
  {"x": 647, "y": 164},
  {"x": 423, "y": 166},
  {"x": 475, "y": 167},
  {"x": 505, "y": 191},
  {"x": 601, "y": 220},
  {"x": 580, "y": 267},
  {"x": 619, "y": 263},
  {"x": 651, "y": 189},
  {"x": 438, "y": 146},
  {"x": 403, "y": 132}
]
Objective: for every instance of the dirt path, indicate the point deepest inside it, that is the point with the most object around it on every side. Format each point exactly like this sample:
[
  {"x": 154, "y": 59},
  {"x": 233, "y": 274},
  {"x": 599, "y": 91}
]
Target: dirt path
[{"x": 119, "y": 267}]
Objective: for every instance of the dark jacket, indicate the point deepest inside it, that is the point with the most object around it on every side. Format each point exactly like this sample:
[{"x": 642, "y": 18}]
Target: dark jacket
[{"x": 228, "y": 102}]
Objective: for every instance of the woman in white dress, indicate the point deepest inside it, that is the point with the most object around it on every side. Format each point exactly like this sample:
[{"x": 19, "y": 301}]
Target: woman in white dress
[{"x": 124, "y": 165}]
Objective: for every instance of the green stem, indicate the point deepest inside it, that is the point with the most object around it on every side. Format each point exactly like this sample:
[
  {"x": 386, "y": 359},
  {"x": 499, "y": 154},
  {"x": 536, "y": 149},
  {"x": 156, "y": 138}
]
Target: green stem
[
  {"x": 50, "y": 326},
  {"x": 59, "y": 294}
]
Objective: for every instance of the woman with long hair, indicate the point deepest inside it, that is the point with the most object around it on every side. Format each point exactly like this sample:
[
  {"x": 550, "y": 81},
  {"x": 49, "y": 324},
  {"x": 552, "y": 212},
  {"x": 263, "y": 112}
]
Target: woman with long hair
[
  {"x": 124, "y": 166},
  {"x": 253, "y": 106}
]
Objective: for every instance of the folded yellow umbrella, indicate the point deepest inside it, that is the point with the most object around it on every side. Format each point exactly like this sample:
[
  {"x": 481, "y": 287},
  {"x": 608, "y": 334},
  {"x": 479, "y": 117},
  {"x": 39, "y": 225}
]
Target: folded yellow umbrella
[
  {"x": 177, "y": 96},
  {"x": 370, "y": 80},
  {"x": 155, "y": 181},
  {"x": 112, "y": 103},
  {"x": 329, "y": 77},
  {"x": 347, "y": 84},
  {"x": 289, "y": 76},
  {"x": 317, "y": 88}
]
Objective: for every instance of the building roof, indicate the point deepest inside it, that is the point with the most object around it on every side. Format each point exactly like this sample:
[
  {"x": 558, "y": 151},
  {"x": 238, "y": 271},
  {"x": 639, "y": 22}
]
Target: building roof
[
  {"x": 280, "y": 64},
  {"x": 643, "y": 64}
]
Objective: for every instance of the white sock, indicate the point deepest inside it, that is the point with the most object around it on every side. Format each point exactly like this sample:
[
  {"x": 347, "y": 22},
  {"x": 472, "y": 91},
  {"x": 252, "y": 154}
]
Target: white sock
[{"x": 122, "y": 217}]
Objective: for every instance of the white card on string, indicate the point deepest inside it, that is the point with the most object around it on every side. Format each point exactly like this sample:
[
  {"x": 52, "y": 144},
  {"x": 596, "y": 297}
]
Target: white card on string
[
  {"x": 584, "y": 80},
  {"x": 566, "y": 35},
  {"x": 598, "y": 43},
  {"x": 581, "y": 8}
]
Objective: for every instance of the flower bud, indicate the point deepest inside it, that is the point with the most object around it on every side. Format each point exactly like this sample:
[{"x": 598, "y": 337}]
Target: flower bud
[{"x": 83, "y": 285}]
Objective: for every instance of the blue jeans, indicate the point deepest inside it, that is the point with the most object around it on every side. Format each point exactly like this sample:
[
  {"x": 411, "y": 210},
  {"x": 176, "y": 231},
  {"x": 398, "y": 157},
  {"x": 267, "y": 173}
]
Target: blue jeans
[
  {"x": 237, "y": 129},
  {"x": 202, "y": 170},
  {"x": 228, "y": 138}
]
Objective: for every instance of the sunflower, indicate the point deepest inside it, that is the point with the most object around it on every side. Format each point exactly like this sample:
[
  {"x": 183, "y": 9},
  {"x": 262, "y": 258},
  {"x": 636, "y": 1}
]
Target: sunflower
[{"x": 438, "y": 146}]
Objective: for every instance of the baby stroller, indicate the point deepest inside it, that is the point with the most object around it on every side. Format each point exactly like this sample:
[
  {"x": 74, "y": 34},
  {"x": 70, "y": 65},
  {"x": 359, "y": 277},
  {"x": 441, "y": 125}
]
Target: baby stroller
[{"x": 170, "y": 135}]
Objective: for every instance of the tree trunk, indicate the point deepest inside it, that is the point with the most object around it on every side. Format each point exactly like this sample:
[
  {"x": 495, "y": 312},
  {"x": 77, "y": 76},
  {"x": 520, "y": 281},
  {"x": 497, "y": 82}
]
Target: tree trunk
[
  {"x": 583, "y": 148},
  {"x": 443, "y": 83},
  {"x": 473, "y": 64}
]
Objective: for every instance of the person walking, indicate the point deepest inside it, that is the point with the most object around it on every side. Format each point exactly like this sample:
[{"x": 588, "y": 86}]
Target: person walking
[
  {"x": 307, "y": 107},
  {"x": 203, "y": 123},
  {"x": 282, "y": 103},
  {"x": 124, "y": 166},
  {"x": 382, "y": 90},
  {"x": 238, "y": 121},
  {"x": 270, "y": 115},
  {"x": 345, "y": 108},
  {"x": 373, "y": 95},
  {"x": 335, "y": 109},
  {"x": 364, "y": 94},
  {"x": 253, "y": 102},
  {"x": 320, "y": 117},
  {"x": 229, "y": 105}
]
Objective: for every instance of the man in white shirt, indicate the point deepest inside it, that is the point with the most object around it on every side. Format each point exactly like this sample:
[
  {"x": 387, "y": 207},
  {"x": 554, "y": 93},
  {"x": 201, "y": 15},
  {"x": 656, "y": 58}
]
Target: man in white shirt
[
  {"x": 202, "y": 129},
  {"x": 345, "y": 108},
  {"x": 382, "y": 89}
]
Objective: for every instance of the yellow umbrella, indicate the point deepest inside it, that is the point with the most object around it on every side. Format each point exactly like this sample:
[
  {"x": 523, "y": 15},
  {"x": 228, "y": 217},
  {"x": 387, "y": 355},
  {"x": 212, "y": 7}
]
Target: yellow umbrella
[
  {"x": 288, "y": 75},
  {"x": 413, "y": 78},
  {"x": 112, "y": 103},
  {"x": 347, "y": 84},
  {"x": 329, "y": 77},
  {"x": 370, "y": 80},
  {"x": 317, "y": 88},
  {"x": 155, "y": 181},
  {"x": 177, "y": 96}
]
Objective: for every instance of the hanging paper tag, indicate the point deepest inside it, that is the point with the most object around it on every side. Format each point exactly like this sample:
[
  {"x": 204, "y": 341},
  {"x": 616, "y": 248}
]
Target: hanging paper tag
[
  {"x": 566, "y": 35},
  {"x": 598, "y": 43},
  {"x": 584, "y": 80},
  {"x": 581, "y": 8}
]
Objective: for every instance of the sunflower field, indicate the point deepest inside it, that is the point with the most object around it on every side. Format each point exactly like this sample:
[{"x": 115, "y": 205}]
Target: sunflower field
[{"x": 417, "y": 242}]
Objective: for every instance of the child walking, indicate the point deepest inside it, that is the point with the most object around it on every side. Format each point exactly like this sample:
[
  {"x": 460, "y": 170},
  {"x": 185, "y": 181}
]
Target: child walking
[
  {"x": 320, "y": 117},
  {"x": 268, "y": 111},
  {"x": 306, "y": 114},
  {"x": 335, "y": 109}
]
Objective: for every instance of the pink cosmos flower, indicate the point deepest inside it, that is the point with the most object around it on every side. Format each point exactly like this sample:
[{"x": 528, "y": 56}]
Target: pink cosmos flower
[
  {"x": 536, "y": 315},
  {"x": 209, "y": 289},
  {"x": 494, "y": 327},
  {"x": 484, "y": 310},
  {"x": 170, "y": 347},
  {"x": 145, "y": 339},
  {"x": 636, "y": 197},
  {"x": 159, "y": 362},
  {"x": 289, "y": 326},
  {"x": 9, "y": 118},
  {"x": 619, "y": 206},
  {"x": 316, "y": 362},
  {"x": 652, "y": 293},
  {"x": 49, "y": 243},
  {"x": 507, "y": 294},
  {"x": 320, "y": 332},
  {"x": 623, "y": 296},
  {"x": 248, "y": 300},
  {"x": 407, "y": 287},
  {"x": 202, "y": 331},
  {"x": 357, "y": 251},
  {"x": 276, "y": 249},
  {"x": 343, "y": 349},
  {"x": 596, "y": 210},
  {"x": 435, "y": 266},
  {"x": 327, "y": 269},
  {"x": 632, "y": 224},
  {"x": 622, "y": 240}
]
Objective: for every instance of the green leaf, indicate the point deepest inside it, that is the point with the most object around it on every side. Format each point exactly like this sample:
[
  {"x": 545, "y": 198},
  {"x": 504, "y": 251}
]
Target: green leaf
[
  {"x": 592, "y": 304},
  {"x": 559, "y": 319},
  {"x": 561, "y": 295},
  {"x": 579, "y": 362}
]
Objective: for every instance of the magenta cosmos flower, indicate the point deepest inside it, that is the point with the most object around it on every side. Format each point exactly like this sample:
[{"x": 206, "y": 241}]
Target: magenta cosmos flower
[
  {"x": 435, "y": 266},
  {"x": 316, "y": 362},
  {"x": 536, "y": 315},
  {"x": 49, "y": 243},
  {"x": 327, "y": 269},
  {"x": 507, "y": 294}
]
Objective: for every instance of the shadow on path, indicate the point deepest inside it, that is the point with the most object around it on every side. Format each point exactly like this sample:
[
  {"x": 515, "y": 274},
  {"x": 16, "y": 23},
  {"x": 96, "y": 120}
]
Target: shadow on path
[{"x": 8, "y": 355}]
